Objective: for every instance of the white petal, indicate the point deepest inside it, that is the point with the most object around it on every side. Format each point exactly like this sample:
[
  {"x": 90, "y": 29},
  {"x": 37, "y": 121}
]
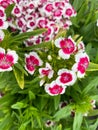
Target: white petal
[
  {"x": 42, "y": 82},
  {"x": 63, "y": 55},
  {"x": 13, "y": 53},
  {"x": 3, "y": 70},
  {"x": 57, "y": 42},
  {"x": 2, "y": 50},
  {"x": 80, "y": 75},
  {"x": 50, "y": 74}
]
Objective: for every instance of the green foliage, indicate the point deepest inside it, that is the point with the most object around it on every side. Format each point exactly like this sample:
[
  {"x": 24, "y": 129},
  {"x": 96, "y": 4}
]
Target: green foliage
[{"x": 25, "y": 106}]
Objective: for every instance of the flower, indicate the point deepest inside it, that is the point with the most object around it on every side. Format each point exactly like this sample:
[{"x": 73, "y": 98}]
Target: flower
[
  {"x": 66, "y": 45},
  {"x": 32, "y": 60},
  {"x": 82, "y": 63},
  {"x": 7, "y": 60},
  {"x": 66, "y": 77},
  {"x": 46, "y": 72},
  {"x": 54, "y": 89}
]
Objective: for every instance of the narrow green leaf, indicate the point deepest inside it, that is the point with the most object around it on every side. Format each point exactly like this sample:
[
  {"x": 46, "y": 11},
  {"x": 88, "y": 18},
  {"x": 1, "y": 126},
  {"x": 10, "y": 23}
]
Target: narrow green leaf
[
  {"x": 31, "y": 95},
  {"x": 59, "y": 127},
  {"x": 19, "y": 105},
  {"x": 62, "y": 113},
  {"x": 9, "y": 9},
  {"x": 77, "y": 121},
  {"x": 91, "y": 85},
  {"x": 19, "y": 75},
  {"x": 23, "y": 36},
  {"x": 41, "y": 45},
  {"x": 93, "y": 112},
  {"x": 56, "y": 101},
  {"x": 92, "y": 67},
  {"x": 94, "y": 126}
]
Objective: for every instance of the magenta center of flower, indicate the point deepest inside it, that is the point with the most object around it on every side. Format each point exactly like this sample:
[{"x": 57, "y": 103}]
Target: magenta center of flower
[
  {"x": 83, "y": 64},
  {"x": 1, "y": 13},
  {"x": 67, "y": 46},
  {"x": 69, "y": 12},
  {"x": 49, "y": 7},
  {"x": 16, "y": 11},
  {"x": 1, "y": 23},
  {"x": 65, "y": 77},
  {"x": 56, "y": 89},
  {"x": 45, "y": 72},
  {"x": 31, "y": 63},
  {"x": 6, "y": 61}
]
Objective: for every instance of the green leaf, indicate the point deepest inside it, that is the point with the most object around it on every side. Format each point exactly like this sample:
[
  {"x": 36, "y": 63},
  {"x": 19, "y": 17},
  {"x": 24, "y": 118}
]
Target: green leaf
[
  {"x": 19, "y": 105},
  {"x": 9, "y": 9},
  {"x": 94, "y": 126},
  {"x": 92, "y": 67},
  {"x": 77, "y": 4},
  {"x": 19, "y": 75},
  {"x": 62, "y": 113},
  {"x": 23, "y": 36},
  {"x": 77, "y": 121},
  {"x": 59, "y": 127},
  {"x": 94, "y": 112},
  {"x": 56, "y": 101},
  {"x": 91, "y": 85},
  {"x": 41, "y": 45},
  {"x": 31, "y": 95}
]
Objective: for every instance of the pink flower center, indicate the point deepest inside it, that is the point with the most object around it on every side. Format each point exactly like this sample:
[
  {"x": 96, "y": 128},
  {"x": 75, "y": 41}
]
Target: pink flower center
[
  {"x": 31, "y": 62},
  {"x": 4, "y": 3},
  {"x": 45, "y": 72},
  {"x": 65, "y": 77},
  {"x": 1, "y": 23},
  {"x": 67, "y": 46},
  {"x": 42, "y": 23},
  {"x": 20, "y": 23},
  {"x": 6, "y": 61},
  {"x": 31, "y": 6},
  {"x": 32, "y": 24},
  {"x": 83, "y": 64},
  {"x": 49, "y": 7},
  {"x": 16, "y": 10},
  {"x": 57, "y": 13},
  {"x": 1, "y": 13},
  {"x": 56, "y": 89},
  {"x": 69, "y": 12}
]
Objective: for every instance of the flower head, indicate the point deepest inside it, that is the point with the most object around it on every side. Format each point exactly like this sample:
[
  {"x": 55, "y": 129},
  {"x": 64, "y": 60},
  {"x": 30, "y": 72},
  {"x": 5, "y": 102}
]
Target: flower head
[
  {"x": 82, "y": 63},
  {"x": 66, "y": 45},
  {"x": 7, "y": 60},
  {"x": 66, "y": 77},
  {"x": 32, "y": 60},
  {"x": 54, "y": 89}
]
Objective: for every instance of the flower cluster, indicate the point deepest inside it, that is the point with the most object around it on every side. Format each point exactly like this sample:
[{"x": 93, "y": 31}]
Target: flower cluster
[
  {"x": 33, "y": 14},
  {"x": 60, "y": 71}
]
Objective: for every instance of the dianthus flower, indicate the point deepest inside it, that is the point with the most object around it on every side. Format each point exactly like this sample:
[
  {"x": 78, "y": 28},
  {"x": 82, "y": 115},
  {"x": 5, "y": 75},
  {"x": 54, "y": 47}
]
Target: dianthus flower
[
  {"x": 82, "y": 63},
  {"x": 32, "y": 60},
  {"x": 54, "y": 89},
  {"x": 45, "y": 72},
  {"x": 7, "y": 60}
]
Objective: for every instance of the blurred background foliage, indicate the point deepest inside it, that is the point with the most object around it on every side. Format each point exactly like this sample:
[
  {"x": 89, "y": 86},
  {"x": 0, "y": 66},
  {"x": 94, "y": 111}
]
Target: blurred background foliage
[{"x": 31, "y": 107}]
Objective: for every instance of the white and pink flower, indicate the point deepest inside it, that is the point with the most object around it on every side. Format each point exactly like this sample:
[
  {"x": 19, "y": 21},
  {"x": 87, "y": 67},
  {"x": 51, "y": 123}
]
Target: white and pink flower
[
  {"x": 32, "y": 60},
  {"x": 45, "y": 72},
  {"x": 54, "y": 89},
  {"x": 66, "y": 77},
  {"x": 7, "y": 60},
  {"x": 67, "y": 47},
  {"x": 82, "y": 63}
]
